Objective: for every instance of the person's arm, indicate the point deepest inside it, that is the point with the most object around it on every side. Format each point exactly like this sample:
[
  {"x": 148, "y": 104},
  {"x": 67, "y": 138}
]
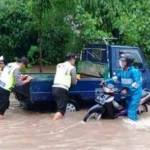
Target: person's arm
[
  {"x": 137, "y": 80},
  {"x": 18, "y": 78},
  {"x": 73, "y": 76},
  {"x": 115, "y": 79}
]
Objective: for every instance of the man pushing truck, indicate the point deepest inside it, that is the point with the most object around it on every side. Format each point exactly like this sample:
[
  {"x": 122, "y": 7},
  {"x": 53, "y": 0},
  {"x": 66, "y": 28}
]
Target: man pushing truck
[
  {"x": 10, "y": 77},
  {"x": 64, "y": 77}
]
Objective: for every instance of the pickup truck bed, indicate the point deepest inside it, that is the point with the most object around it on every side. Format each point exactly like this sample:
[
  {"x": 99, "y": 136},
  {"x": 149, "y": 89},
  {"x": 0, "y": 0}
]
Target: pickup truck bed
[{"x": 40, "y": 90}]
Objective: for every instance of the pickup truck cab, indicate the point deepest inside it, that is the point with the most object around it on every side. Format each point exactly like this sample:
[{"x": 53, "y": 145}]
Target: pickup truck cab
[{"x": 40, "y": 89}]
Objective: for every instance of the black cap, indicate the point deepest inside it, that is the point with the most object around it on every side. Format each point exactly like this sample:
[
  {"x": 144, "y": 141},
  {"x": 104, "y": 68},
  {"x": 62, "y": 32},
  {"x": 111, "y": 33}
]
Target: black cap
[
  {"x": 23, "y": 60},
  {"x": 70, "y": 56}
]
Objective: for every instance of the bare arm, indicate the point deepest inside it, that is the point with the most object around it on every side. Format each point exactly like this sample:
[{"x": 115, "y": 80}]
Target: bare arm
[
  {"x": 18, "y": 78},
  {"x": 73, "y": 76}
]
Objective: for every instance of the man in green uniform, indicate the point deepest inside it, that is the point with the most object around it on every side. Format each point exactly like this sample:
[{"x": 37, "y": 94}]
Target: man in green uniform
[{"x": 10, "y": 77}]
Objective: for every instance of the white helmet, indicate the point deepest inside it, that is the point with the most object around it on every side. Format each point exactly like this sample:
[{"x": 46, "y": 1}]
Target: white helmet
[{"x": 1, "y": 59}]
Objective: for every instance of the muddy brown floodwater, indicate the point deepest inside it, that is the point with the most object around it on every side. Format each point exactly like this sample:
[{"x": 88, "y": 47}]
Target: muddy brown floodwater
[{"x": 24, "y": 130}]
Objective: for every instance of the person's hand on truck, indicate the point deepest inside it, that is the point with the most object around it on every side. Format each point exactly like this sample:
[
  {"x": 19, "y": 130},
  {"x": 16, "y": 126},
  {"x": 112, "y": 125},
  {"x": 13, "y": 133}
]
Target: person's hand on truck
[
  {"x": 29, "y": 78},
  {"x": 78, "y": 77},
  {"x": 26, "y": 78}
]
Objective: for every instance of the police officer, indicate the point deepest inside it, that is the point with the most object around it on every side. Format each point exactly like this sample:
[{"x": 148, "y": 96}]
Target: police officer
[
  {"x": 64, "y": 77},
  {"x": 131, "y": 79},
  {"x": 10, "y": 77}
]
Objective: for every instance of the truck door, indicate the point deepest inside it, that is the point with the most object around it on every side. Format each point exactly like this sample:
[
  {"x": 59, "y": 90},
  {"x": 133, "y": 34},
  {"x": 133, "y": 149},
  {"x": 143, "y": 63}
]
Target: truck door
[{"x": 139, "y": 61}]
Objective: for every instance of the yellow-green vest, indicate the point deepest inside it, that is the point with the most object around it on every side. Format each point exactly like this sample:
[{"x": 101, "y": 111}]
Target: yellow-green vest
[
  {"x": 7, "y": 78},
  {"x": 63, "y": 75}
]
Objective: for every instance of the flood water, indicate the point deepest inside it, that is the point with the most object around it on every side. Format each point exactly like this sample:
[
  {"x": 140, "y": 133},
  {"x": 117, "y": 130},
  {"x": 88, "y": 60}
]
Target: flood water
[{"x": 27, "y": 130}]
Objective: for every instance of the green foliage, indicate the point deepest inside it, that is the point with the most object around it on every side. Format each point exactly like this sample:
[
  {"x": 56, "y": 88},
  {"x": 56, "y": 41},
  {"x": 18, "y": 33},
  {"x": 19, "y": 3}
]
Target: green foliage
[
  {"x": 55, "y": 27},
  {"x": 33, "y": 54},
  {"x": 86, "y": 26},
  {"x": 15, "y": 29}
]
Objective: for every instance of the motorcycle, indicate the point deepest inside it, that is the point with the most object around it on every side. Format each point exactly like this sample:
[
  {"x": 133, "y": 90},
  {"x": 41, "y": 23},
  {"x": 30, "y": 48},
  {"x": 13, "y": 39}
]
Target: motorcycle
[{"x": 110, "y": 103}]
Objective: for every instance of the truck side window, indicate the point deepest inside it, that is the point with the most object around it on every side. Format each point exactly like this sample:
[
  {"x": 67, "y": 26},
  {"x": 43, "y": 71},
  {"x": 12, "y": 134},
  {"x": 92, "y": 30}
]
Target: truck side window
[{"x": 137, "y": 58}]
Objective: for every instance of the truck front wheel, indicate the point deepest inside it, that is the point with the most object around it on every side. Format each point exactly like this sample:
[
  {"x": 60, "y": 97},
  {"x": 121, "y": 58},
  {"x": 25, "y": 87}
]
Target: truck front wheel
[{"x": 72, "y": 106}]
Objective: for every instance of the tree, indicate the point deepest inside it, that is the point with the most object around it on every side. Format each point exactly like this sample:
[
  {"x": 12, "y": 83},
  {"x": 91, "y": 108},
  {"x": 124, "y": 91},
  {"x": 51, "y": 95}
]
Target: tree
[
  {"x": 51, "y": 28},
  {"x": 15, "y": 29},
  {"x": 39, "y": 10}
]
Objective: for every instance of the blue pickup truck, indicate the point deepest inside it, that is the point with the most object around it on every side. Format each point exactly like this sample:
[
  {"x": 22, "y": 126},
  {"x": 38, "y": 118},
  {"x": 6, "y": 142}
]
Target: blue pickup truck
[{"x": 39, "y": 90}]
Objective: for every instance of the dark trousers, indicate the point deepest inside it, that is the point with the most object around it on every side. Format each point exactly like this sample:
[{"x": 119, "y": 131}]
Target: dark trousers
[
  {"x": 61, "y": 98},
  {"x": 4, "y": 100}
]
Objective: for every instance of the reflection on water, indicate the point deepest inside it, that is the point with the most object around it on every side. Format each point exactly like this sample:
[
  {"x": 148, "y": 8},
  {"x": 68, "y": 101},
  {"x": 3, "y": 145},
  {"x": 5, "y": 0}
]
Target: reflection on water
[{"x": 32, "y": 130}]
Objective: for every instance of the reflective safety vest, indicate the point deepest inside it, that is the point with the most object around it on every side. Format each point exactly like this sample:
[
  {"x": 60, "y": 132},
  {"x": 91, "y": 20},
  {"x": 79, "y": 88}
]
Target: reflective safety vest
[
  {"x": 7, "y": 79},
  {"x": 63, "y": 75}
]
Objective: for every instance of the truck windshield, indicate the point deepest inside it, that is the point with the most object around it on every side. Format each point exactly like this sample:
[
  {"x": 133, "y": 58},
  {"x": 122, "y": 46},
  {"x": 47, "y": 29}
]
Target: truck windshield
[{"x": 93, "y": 62}]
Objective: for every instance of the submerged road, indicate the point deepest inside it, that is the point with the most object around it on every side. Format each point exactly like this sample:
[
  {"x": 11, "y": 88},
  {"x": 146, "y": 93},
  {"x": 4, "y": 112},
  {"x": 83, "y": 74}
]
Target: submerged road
[{"x": 26, "y": 130}]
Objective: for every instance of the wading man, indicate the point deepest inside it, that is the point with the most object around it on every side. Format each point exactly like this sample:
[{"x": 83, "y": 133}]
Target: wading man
[
  {"x": 65, "y": 76},
  {"x": 10, "y": 77}
]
